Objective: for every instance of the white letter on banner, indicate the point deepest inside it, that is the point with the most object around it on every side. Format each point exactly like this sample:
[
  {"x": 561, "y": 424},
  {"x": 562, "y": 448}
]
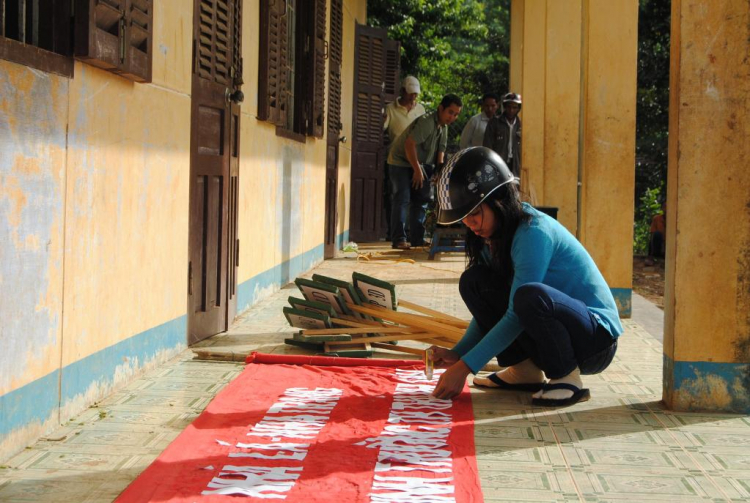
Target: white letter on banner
[
  {"x": 285, "y": 451},
  {"x": 260, "y": 482},
  {"x": 289, "y": 429},
  {"x": 412, "y": 489}
]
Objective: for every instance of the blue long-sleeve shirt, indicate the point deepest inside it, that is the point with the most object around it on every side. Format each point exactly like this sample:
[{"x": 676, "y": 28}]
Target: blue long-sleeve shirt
[{"x": 543, "y": 251}]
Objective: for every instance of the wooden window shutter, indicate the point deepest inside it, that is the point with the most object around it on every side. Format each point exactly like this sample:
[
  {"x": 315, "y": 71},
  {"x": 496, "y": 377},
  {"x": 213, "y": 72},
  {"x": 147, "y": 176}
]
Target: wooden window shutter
[
  {"x": 213, "y": 52},
  {"x": 237, "y": 38},
  {"x": 116, "y": 35},
  {"x": 392, "y": 69},
  {"x": 317, "y": 94},
  {"x": 272, "y": 62},
  {"x": 139, "y": 34},
  {"x": 335, "y": 59}
]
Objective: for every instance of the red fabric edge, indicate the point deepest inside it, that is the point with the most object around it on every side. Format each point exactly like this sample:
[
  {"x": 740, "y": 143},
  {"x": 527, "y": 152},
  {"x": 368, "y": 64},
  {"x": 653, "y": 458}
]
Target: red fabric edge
[{"x": 333, "y": 361}]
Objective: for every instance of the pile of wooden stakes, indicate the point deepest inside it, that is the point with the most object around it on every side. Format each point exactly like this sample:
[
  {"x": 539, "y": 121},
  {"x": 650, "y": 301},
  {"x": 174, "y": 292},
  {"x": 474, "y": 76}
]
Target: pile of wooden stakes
[{"x": 349, "y": 319}]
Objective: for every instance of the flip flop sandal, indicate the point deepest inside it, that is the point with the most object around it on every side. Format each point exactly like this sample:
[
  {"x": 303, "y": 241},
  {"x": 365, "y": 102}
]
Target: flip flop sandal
[
  {"x": 532, "y": 386},
  {"x": 579, "y": 395}
]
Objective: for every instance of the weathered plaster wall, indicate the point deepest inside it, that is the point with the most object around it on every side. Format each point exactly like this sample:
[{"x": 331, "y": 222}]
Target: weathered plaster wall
[
  {"x": 282, "y": 183},
  {"x": 94, "y": 199},
  {"x": 355, "y": 12},
  {"x": 574, "y": 61},
  {"x": 707, "y": 300},
  {"x": 93, "y": 230},
  {"x": 33, "y": 118}
]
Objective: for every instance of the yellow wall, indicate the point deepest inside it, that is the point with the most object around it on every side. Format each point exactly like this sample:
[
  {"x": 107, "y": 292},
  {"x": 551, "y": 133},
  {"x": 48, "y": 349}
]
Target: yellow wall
[
  {"x": 574, "y": 62},
  {"x": 94, "y": 200},
  {"x": 93, "y": 203},
  {"x": 707, "y": 300},
  {"x": 282, "y": 181},
  {"x": 33, "y": 118}
]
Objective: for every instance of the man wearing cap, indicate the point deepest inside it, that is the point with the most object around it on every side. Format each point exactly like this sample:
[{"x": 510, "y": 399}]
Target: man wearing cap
[
  {"x": 503, "y": 133},
  {"x": 404, "y": 109},
  {"x": 473, "y": 133},
  {"x": 398, "y": 114},
  {"x": 411, "y": 162}
]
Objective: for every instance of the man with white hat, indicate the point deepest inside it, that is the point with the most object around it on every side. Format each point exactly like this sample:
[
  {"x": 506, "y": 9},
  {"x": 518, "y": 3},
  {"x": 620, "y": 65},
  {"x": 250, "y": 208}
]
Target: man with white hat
[
  {"x": 404, "y": 109},
  {"x": 398, "y": 115}
]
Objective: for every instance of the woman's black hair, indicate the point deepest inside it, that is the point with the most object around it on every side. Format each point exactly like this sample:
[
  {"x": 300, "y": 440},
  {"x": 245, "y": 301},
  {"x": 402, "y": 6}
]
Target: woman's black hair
[{"x": 505, "y": 203}]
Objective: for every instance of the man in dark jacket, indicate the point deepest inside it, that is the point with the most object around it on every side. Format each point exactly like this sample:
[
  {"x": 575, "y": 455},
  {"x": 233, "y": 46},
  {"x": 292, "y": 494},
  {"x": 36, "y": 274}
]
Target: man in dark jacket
[{"x": 503, "y": 133}]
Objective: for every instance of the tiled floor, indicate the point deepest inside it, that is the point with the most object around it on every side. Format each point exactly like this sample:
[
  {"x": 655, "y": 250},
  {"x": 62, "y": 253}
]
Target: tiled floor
[{"x": 622, "y": 445}]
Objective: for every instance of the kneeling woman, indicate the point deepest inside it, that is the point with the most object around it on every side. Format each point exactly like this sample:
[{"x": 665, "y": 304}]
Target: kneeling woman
[{"x": 538, "y": 301}]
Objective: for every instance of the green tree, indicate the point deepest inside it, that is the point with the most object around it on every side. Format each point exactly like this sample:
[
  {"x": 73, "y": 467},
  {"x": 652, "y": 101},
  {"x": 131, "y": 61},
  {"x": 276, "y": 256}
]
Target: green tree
[
  {"x": 452, "y": 46},
  {"x": 652, "y": 107}
]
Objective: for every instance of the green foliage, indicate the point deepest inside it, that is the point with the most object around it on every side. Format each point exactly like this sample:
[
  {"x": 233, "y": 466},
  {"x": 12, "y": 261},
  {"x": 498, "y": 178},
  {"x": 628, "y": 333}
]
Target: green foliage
[
  {"x": 652, "y": 107},
  {"x": 648, "y": 207},
  {"x": 452, "y": 46},
  {"x": 652, "y": 116}
]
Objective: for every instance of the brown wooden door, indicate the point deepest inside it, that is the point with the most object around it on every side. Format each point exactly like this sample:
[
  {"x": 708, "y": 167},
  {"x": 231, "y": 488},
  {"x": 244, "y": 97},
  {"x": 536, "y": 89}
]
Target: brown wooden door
[
  {"x": 373, "y": 76},
  {"x": 214, "y": 168},
  {"x": 334, "y": 126}
]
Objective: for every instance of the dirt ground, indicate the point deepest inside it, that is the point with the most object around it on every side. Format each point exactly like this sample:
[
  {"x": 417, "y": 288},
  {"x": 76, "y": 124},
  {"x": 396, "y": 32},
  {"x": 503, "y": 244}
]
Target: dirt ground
[{"x": 648, "y": 281}]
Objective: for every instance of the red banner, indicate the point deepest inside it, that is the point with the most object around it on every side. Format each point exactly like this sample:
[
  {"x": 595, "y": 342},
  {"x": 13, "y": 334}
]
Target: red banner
[{"x": 320, "y": 430}]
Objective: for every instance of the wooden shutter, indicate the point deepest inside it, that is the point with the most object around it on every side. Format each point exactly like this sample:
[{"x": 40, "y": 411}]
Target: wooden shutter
[
  {"x": 116, "y": 35},
  {"x": 317, "y": 77},
  {"x": 213, "y": 51},
  {"x": 138, "y": 39},
  {"x": 272, "y": 85},
  {"x": 367, "y": 134},
  {"x": 392, "y": 69},
  {"x": 335, "y": 59},
  {"x": 237, "y": 40}
]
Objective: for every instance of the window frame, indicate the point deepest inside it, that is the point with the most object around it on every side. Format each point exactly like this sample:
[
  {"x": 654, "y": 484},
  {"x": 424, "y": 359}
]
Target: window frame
[
  {"x": 292, "y": 55},
  {"x": 57, "y": 60}
]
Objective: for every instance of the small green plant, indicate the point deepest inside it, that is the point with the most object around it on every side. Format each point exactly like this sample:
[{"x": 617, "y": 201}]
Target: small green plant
[{"x": 645, "y": 211}]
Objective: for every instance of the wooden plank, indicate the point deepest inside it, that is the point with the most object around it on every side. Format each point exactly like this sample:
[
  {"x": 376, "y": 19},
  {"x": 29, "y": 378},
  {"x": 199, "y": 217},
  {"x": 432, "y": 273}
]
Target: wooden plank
[
  {"x": 389, "y": 338},
  {"x": 365, "y": 330},
  {"x": 431, "y": 312},
  {"x": 400, "y": 349},
  {"x": 444, "y": 330},
  {"x": 354, "y": 350}
]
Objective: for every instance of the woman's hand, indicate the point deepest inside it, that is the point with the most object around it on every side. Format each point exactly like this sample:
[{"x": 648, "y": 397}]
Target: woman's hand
[
  {"x": 442, "y": 356},
  {"x": 451, "y": 383}
]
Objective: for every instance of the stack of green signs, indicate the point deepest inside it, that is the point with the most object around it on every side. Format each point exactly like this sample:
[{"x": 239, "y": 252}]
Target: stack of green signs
[{"x": 325, "y": 300}]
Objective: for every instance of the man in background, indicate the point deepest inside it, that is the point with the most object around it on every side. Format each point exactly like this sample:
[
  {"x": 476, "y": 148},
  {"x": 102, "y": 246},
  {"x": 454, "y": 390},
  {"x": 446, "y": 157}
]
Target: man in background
[
  {"x": 412, "y": 159},
  {"x": 503, "y": 133},
  {"x": 473, "y": 133},
  {"x": 397, "y": 115}
]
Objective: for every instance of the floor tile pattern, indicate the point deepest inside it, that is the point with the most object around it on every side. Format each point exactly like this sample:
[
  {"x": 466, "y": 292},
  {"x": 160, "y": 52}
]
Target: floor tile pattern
[{"x": 621, "y": 446}]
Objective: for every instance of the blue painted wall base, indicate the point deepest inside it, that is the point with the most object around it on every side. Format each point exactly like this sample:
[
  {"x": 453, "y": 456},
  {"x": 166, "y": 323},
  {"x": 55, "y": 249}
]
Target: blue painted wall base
[
  {"x": 38, "y": 401},
  {"x": 710, "y": 386}
]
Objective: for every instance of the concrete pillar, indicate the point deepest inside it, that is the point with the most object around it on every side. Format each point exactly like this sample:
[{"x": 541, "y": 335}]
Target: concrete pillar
[
  {"x": 574, "y": 62},
  {"x": 707, "y": 300},
  {"x": 607, "y": 167}
]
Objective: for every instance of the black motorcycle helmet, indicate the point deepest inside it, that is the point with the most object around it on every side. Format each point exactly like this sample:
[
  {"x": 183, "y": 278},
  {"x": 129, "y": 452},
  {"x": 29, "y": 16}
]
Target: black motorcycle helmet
[{"x": 466, "y": 180}]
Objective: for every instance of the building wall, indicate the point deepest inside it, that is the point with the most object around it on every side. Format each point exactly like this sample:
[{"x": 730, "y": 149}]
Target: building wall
[
  {"x": 94, "y": 200},
  {"x": 574, "y": 62},
  {"x": 282, "y": 182}
]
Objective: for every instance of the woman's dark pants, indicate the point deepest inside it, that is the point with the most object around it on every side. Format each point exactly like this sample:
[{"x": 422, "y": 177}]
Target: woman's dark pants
[{"x": 560, "y": 333}]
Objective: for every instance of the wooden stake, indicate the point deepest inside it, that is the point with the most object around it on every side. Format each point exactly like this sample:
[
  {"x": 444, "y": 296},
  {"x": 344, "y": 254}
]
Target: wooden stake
[
  {"x": 386, "y": 338},
  {"x": 412, "y": 320},
  {"x": 431, "y": 312},
  {"x": 400, "y": 349},
  {"x": 365, "y": 330}
]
